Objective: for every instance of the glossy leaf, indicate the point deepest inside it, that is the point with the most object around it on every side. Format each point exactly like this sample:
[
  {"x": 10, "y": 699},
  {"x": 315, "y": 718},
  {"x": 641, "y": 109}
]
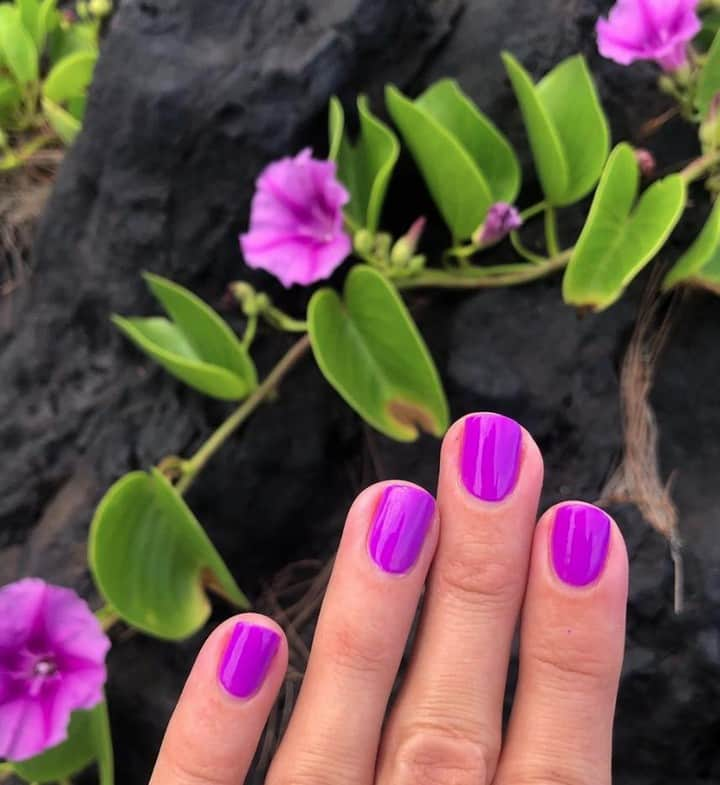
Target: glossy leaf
[
  {"x": 49, "y": 20},
  {"x": 366, "y": 166},
  {"x": 622, "y": 234},
  {"x": 195, "y": 344},
  {"x": 72, "y": 756},
  {"x": 477, "y": 134},
  {"x": 78, "y": 37},
  {"x": 371, "y": 352},
  {"x": 458, "y": 187},
  {"x": 152, "y": 560},
  {"x": 17, "y": 47},
  {"x": 566, "y": 126},
  {"x": 30, "y": 16},
  {"x": 70, "y": 77},
  {"x": 700, "y": 264},
  {"x": 63, "y": 123},
  {"x": 709, "y": 80}
]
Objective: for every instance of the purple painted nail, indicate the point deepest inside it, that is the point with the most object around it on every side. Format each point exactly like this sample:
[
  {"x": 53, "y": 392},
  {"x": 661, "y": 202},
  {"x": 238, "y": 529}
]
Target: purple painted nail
[
  {"x": 580, "y": 538},
  {"x": 490, "y": 455},
  {"x": 247, "y": 658},
  {"x": 402, "y": 520}
]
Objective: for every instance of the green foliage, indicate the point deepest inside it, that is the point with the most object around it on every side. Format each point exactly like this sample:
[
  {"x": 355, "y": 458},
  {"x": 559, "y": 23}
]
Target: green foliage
[
  {"x": 88, "y": 741},
  {"x": 622, "y": 234},
  {"x": 466, "y": 162},
  {"x": 700, "y": 264},
  {"x": 19, "y": 53},
  {"x": 709, "y": 80},
  {"x": 70, "y": 77},
  {"x": 371, "y": 352},
  {"x": 152, "y": 560},
  {"x": 195, "y": 344},
  {"x": 366, "y": 167},
  {"x": 566, "y": 126}
]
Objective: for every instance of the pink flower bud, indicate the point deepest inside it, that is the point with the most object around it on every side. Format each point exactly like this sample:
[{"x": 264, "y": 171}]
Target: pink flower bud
[{"x": 502, "y": 218}]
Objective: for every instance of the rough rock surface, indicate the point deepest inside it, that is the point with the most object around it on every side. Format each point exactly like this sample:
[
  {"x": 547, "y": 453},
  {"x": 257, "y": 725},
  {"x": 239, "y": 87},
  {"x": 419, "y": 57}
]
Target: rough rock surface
[{"x": 190, "y": 99}]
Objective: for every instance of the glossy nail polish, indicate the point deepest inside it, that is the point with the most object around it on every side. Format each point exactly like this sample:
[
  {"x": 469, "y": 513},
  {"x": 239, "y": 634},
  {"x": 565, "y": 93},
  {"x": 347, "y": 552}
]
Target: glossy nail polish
[
  {"x": 490, "y": 457},
  {"x": 401, "y": 522},
  {"x": 580, "y": 539},
  {"x": 247, "y": 658}
]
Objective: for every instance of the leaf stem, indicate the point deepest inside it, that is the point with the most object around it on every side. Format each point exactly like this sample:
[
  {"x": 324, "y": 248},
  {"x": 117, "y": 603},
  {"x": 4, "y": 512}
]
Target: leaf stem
[
  {"x": 15, "y": 158},
  {"x": 524, "y": 251},
  {"x": 485, "y": 277},
  {"x": 107, "y": 616},
  {"x": 697, "y": 168},
  {"x": 194, "y": 465},
  {"x": 551, "y": 235},
  {"x": 533, "y": 210}
]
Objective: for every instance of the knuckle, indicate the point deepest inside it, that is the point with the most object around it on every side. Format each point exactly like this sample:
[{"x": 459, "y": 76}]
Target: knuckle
[
  {"x": 187, "y": 771},
  {"x": 357, "y": 650},
  {"x": 480, "y": 579},
  {"x": 553, "y": 775},
  {"x": 435, "y": 756}
]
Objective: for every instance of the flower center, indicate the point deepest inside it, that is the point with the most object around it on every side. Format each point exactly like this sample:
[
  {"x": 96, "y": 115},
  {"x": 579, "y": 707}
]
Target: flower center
[{"x": 44, "y": 668}]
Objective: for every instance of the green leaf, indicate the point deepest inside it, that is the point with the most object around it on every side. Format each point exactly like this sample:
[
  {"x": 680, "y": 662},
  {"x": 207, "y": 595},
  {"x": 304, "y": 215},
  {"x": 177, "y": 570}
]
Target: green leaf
[
  {"x": 488, "y": 148},
  {"x": 700, "y": 264},
  {"x": 458, "y": 187},
  {"x": 70, "y": 77},
  {"x": 709, "y": 80},
  {"x": 621, "y": 234},
  {"x": 365, "y": 167},
  {"x": 30, "y": 17},
  {"x": 72, "y": 756},
  {"x": 10, "y": 96},
  {"x": 49, "y": 20},
  {"x": 78, "y": 37},
  {"x": 63, "y": 123},
  {"x": 152, "y": 560},
  {"x": 371, "y": 352},
  {"x": 566, "y": 126},
  {"x": 196, "y": 346},
  {"x": 17, "y": 47}
]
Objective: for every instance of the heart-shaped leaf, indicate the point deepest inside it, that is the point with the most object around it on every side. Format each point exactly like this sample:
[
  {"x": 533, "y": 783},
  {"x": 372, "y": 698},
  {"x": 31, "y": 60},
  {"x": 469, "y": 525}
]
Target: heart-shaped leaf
[
  {"x": 371, "y": 352},
  {"x": 566, "y": 126},
  {"x": 366, "y": 166},
  {"x": 197, "y": 346},
  {"x": 709, "y": 80},
  {"x": 152, "y": 560},
  {"x": 70, "y": 77},
  {"x": 17, "y": 46},
  {"x": 621, "y": 236},
  {"x": 466, "y": 162},
  {"x": 88, "y": 740},
  {"x": 700, "y": 264}
]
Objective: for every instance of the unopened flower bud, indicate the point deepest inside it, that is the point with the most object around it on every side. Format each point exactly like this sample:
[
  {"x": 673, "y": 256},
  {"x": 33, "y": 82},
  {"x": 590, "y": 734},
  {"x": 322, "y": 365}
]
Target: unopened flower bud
[
  {"x": 100, "y": 8},
  {"x": 363, "y": 242},
  {"x": 646, "y": 161},
  {"x": 502, "y": 218},
  {"x": 404, "y": 249}
]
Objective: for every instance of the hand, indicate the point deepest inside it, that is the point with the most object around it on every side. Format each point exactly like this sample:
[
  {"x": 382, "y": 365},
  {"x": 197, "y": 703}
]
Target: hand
[{"x": 486, "y": 563}]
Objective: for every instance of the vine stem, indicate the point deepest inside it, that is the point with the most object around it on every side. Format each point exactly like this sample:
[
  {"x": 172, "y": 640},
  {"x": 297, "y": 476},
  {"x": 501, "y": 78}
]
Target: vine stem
[
  {"x": 15, "y": 158},
  {"x": 551, "y": 232},
  {"x": 197, "y": 462},
  {"x": 485, "y": 277},
  {"x": 697, "y": 168}
]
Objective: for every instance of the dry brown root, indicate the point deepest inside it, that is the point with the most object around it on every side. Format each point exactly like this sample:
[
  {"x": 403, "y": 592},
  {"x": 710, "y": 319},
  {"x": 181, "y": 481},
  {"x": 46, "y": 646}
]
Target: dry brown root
[{"x": 637, "y": 480}]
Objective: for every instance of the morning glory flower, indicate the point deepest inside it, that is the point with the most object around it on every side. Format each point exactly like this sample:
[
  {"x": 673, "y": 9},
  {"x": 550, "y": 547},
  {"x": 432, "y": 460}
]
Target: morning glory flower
[
  {"x": 296, "y": 221},
  {"x": 52, "y": 662},
  {"x": 658, "y": 30},
  {"x": 502, "y": 218}
]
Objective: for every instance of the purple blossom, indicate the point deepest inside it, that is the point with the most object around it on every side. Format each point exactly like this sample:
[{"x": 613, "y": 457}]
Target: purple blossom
[
  {"x": 502, "y": 218},
  {"x": 296, "y": 221},
  {"x": 52, "y": 662},
  {"x": 658, "y": 30}
]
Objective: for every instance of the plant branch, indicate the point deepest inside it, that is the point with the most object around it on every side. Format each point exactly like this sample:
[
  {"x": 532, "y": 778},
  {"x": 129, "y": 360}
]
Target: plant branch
[
  {"x": 533, "y": 210},
  {"x": 194, "y": 465},
  {"x": 697, "y": 168},
  {"x": 485, "y": 277},
  {"x": 12, "y": 159}
]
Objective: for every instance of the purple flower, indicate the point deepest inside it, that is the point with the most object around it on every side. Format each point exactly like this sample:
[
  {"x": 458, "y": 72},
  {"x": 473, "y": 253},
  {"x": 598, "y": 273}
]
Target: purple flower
[
  {"x": 52, "y": 662},
  {"x": 296, "y": 221},
  {"x": 502, "y": 218},
  {"x": 658, "y": 30}
]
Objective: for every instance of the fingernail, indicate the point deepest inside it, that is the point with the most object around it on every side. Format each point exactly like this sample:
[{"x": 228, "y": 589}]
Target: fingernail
[
  {"x": 580, "y": 538},
  {"x": 247, "y": 658},
  {"x": 490, "y": 455},
  {"x": 401, "y": 522}
]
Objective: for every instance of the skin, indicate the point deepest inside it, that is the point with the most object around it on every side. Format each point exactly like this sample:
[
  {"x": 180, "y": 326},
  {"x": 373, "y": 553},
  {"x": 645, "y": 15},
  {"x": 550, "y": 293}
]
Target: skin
[{"x": 486, "y": 567}]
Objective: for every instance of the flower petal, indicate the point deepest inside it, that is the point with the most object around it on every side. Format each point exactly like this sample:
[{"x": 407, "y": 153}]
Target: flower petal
[
  {"x": 22, "y": 729},
  {"x": 71, "y": 628},
  {"x": 21, "y": 604}
]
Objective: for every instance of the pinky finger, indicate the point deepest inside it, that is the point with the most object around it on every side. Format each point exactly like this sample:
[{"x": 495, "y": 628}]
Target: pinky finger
[{"x": 216, "y": 726}]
